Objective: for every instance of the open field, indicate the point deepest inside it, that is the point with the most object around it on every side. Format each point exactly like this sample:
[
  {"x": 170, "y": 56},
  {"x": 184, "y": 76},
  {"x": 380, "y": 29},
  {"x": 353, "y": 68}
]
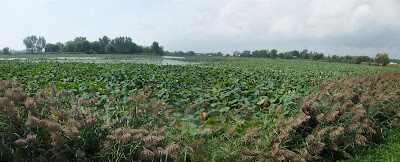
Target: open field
[{"x": 133, "y": 107}]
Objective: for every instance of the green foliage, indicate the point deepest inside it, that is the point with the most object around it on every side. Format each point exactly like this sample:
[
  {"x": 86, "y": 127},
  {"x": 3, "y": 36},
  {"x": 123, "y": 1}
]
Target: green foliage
[
  {"x": 6, "y": 50},
  {"x": 54, "y": 47},
  {"x": 122, "y": 45},
  {"x": 356, "y": 60},
  {"x": 156, "y": 48},
  {"x": 274, "y": 54},
  {"x": 34, "y": 44},
  {"x": 245, "y": 101},
  {"x": 382, "y": 59},
  {"x": 389, "y": 151}
]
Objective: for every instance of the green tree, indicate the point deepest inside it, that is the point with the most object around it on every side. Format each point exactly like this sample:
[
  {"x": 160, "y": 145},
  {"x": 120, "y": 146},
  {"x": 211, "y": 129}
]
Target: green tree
[
  {"x": 295, "y": 53},
  {"x": 274, "y": 54},
  {"x": 51, "y": 48},
  {"x": 104, "y": 41},
  {"x": 41, "y": 44},
  {"x": 124, "y": 45},
  {"x": 281, "y": 55},
  {"x": 95, "y": 47},
  {"x": 156, "y": 48},
  {"x": 304, "y": 54},
  {"x": 246, "y": 53},
  {"x": 264, "y": 53},
  {"x": 236, "y": 53},
  {"x": 256, "y": 53},
  {"x": 382, "y": 59},
  {"x": 82, "y": 45},
  {"x": 356, "y": 60},
  {"x": 110, "y": 49},
  {"x": 6, "y": 50},
  {"x": 34, "y": 44},
  {"x": 70, "y": 46},
  {"x": 30, "y": 43}
]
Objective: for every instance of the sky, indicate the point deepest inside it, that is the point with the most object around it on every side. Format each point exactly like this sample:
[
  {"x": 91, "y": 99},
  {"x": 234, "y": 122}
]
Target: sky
[{"x": 340, "y": 27}]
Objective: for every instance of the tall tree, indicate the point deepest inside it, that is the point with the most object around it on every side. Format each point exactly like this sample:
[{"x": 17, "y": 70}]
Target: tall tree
[
  {"x": 104, "y": 41},
  {"x": 274, "y": 53},
  {"x": 41, "y": 44},
  {"x": 6, "y": 50},
  {"x": 382, "y": 59},
  {"x": 51, "y": 48},
  {"x": 246, "y": 53},
  {"x": 304, "y": 54},
  {"x": 124, "y": 45},
  {"x": 70, "y": 46},
  {"x": 156, "y": 48},
  {"x": 35, "y": 44},
  {"x": 30, "y": 43},
  {"x": 236, "y": 53},
  {"x": 110, "y": 49}
]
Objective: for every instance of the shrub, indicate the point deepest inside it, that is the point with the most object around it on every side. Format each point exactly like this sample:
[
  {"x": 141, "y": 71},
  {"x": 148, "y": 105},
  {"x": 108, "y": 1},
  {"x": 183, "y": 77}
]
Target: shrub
[
  {"x": 343, "y": 115},
  {"x": 55, "y": 125}
]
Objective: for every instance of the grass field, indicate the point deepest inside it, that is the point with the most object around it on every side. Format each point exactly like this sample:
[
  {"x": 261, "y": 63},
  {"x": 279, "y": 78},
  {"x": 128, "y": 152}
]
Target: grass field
[{"x": 210, "y": 109}]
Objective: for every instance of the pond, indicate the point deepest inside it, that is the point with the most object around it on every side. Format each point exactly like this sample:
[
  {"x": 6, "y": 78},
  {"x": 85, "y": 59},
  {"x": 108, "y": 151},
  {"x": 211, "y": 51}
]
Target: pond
[{"x": 165, "y": 60}]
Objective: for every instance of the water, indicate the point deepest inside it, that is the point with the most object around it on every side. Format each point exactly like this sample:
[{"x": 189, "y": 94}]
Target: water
[
  {"x": 10, "y": 59},
  {"x": 173, "y": 57},
  {"x": 165, "y": 60}
]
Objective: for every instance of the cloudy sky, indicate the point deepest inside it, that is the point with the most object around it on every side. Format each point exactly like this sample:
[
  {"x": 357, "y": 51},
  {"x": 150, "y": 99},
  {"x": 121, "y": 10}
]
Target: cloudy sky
[{"x": 355, "y": 27}]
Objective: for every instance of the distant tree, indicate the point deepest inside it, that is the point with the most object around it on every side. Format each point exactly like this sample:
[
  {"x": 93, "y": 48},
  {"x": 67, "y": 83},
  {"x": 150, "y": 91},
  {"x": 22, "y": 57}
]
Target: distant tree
[
  {"x": 35, "y": 44},
  {"x": 41, "y": 44},
  {"x": 329, "y": 59},
  {"x": 30, "y": 43},
  {"x": 317, "y": 56},
  {"x": 304, "y": 54},
  {"x": 366, "y": 59},
  {"x": 70, "y": 46},
  {"x": 335, "y": 58},
  {"x": 157, "y": 49},
  {"x": 288, "y": 55},
  {"x": 246, "y": 53},
  {"x": 95, "y": 47},
  {"x": 60, "y": 46},
  {"x": 236, "y": 54},
  {"x": 264, "y": 53},
  {"x": 191, "y": 53},
  {"x": 356, "y": 60},
  {"x": 295, "y": 53},
  {"x": 82, "y": 45},
  {"x": 110, "y": 49},
  {"x": 255, "y": 53},
  {"x": 346, "y": 59},
  {"x": 124, "y": 45},
  {"x": 382, "y": 59},
  {"x": 51, "y": 48},
  {"x": 274, "y": 54},
  {"x": 281, "y": 55},
  {"x": 6, "y": 50},
  {"x": 104, "y": 41}
]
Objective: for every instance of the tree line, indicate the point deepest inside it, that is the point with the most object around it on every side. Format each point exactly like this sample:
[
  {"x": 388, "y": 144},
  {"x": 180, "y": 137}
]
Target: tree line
[
  {"x": 104, "y": 45},
  {"x": 125, "y": 45},
  {"x": 380, "y": 59}
]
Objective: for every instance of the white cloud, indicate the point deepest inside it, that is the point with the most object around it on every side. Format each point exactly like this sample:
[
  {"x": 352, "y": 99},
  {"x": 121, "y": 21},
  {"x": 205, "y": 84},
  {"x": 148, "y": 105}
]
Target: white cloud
[
  {"x": 388, "y": 12},
  {"x": 288, "y": 27}
]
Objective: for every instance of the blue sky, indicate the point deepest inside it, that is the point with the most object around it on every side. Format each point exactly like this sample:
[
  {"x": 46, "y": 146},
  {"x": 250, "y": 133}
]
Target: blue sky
[{"x": 355, "y": 27}]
